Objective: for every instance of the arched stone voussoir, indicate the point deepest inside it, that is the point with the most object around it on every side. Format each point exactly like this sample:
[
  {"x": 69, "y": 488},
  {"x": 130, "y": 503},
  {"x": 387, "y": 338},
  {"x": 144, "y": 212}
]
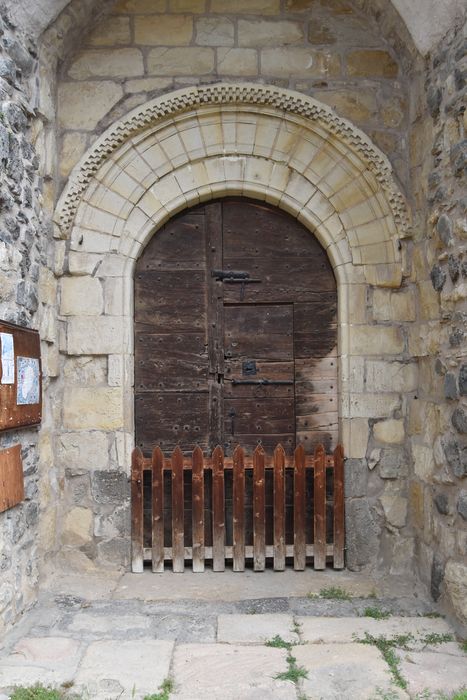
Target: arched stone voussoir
[{"x": 281, "y": 126}]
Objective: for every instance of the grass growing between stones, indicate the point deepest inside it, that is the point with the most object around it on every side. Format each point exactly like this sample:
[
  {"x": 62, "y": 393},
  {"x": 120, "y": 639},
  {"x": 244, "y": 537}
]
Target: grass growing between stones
[
  {"x": 376, "y": 613},
  {"x": 40, "y": 692},
  {"x": 294, "y": 672},
  {"x": 460, "y": 694},
  {"x": 433, "y": 639},
  {"x": 331, "y": 593},
  {"x": 388, "y": 647},
  {"x": 164, "y": 691}
]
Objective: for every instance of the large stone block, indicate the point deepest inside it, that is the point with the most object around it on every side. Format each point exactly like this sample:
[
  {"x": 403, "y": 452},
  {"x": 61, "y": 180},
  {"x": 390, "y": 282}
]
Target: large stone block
[
  {"x": 215, "y": 31},
  {"x": 376, "y": 340},
  {"x": 395, "y": 508},
  {"x": 140, "y": 7},
  {"x": 370, "y": 63},
  {"x": 393, "y": 463},
  {"x": 112, "y": 63},
  {"x": 184, "y": 61},
  {"x": 193, "y": 6},
  {"x": 261, "y": 32},
  {"x": 110, "y": 487},
  {"x": 237, "y": 62},
  {"x": 456, "y": 457},
  {"x": 113, "y": 31},
  {"x": 81, "y": 296},
  {"x": 356, "y": 478},
  {"x": 424, "y": 463},
  {"x": 83, "y": 108},
  {"x": 82, "y": 451},
  {"x": 77, "y": 526},
  {"x": 389, "y": 305},
  {"x": 391, "y": 376},
  {"x": 246, "y": 7},
  {"x": 89, "y": 335},
  {"x": 456, "y": 584},
  {"x": 389, "y": 431},
  {"x": 72, "y": 148},
  {"x": 168, "y": 30},
  {"x": 96, "y": 408},
  {"x": 291, "y": 62},
  {"x": 362, "y": 534},
  {"x": 351, "y": 104}
]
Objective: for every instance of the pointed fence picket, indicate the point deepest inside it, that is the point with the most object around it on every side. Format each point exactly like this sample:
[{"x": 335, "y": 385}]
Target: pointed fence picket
[{"x": 189, "y": 543}]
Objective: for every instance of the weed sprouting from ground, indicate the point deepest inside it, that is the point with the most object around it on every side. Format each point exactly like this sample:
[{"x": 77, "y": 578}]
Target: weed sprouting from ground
[
  {"x": 376, "y": 613},
  {"x": 278, "y": 643},
  {"x": 463, "y": 646},
  {"x": 434, "y": 638},
  {"x": 294, "y": 672},
  {"x": 460, "y": 694},
  {"x": 40, "y": 692},
  {"x": 433, "y": 615},
  {"x": 164, "y": 691},
  {"x": 387, "y": 648},
  {"x": 331, "y": 593},
  {"x": 334, "y": 593}
]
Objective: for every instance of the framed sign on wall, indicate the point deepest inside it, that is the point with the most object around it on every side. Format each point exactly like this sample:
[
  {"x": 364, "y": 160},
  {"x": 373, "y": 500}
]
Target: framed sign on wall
[{"x": 20, "y": 377}]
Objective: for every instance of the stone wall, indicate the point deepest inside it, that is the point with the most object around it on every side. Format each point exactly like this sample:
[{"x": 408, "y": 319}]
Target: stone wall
[
  {"x": 402, "y": 300},
  {"x": 329, "y": 50},
  {"x": 438, "y": 415},
  {"x": 27, "y": 297}
]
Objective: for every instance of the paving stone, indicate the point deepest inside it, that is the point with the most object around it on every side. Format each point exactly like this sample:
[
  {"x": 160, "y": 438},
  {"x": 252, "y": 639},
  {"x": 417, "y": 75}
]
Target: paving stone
[
  {"x": 331, "y": 630},
  {"x": 245, "y": 672},
  {"x": 253, "y": 629},
  {"x": 350, "y": 671},
  {"x": 124, "y": 669},
  {"x": 46, "y": 652},
  {"x": 434, "y": 670},
  {"x": 109, "y": 624}
]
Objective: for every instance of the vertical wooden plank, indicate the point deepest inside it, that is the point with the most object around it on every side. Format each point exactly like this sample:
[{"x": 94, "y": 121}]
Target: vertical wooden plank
[
  {"x": 178, "y": 535},
  {"x": 320, "y": 508},
  {"x": 299, "y": 510},
  {"x": 259, "y": 510},
  {"x": 238, "y": 510},
  {"x": 11, "y": 478},
  {"x": 218, "y": 510},
  {"x": 157, "y": 510},
  {"x": 338, "y": 506},
  {"x": 215, "y": 323},
  {"x": 279, "y": 508},
  {"x": 197, "y": 490},
  {"x": 137, "y": 560}
]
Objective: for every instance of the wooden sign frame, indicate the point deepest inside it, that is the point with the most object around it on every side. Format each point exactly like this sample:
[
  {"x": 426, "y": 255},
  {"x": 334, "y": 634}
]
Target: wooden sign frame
[
  {"x": 20, "y": 377},
  {"x": 11, "y": 478}
]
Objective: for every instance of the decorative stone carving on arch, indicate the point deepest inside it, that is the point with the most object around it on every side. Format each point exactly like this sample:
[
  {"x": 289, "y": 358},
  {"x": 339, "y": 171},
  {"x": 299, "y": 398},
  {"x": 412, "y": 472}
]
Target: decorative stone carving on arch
[{"x": 212, "y": 141}]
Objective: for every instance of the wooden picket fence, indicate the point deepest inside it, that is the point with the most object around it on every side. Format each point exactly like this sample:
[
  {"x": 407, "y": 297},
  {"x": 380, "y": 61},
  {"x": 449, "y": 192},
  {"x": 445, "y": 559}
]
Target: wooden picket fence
[{"x": 325, "y": 546}]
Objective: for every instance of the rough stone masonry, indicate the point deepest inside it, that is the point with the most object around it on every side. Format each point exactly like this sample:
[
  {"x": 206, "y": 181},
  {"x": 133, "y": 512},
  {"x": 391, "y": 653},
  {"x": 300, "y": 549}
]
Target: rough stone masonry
[{"x": 404, "y": 426}]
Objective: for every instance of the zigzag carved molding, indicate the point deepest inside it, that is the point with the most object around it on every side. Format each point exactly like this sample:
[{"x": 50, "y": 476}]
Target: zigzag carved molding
[{"x": 176, "y": 103}]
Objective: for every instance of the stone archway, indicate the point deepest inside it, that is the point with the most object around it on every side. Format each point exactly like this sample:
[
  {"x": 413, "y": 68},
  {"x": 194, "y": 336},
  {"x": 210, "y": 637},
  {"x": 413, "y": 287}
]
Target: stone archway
[{"x": 208, "y": 142}]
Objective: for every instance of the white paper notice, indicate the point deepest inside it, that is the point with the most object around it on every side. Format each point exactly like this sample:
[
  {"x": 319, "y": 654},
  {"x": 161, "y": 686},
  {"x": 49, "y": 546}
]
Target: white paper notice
[{"x": 7, "y": 351}]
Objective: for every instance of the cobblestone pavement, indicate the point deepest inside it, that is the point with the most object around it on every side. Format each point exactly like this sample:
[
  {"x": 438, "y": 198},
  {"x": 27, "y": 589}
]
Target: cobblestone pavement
[{"x": 232, "y": 636}]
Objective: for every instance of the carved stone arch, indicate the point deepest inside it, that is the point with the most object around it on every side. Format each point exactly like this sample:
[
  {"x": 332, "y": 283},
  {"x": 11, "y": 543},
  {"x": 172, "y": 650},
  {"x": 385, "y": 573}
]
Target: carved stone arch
[{"x": 207, "y": 142}]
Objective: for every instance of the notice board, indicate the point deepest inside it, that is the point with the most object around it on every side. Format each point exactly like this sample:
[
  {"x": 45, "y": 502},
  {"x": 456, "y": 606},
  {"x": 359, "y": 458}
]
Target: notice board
[{"x": 20, "y": 377}]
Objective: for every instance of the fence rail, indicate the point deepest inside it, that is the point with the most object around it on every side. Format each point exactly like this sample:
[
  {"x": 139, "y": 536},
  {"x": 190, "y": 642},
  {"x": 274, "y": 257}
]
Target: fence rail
[{"x": 313, "y": 534}]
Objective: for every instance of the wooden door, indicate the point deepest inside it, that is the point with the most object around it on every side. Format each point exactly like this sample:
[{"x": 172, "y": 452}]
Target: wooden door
[{"x": 235, "y": 332}]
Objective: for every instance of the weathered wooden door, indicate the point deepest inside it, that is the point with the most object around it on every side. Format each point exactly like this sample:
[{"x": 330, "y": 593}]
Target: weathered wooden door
[{"x": 235, "y": 332}]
